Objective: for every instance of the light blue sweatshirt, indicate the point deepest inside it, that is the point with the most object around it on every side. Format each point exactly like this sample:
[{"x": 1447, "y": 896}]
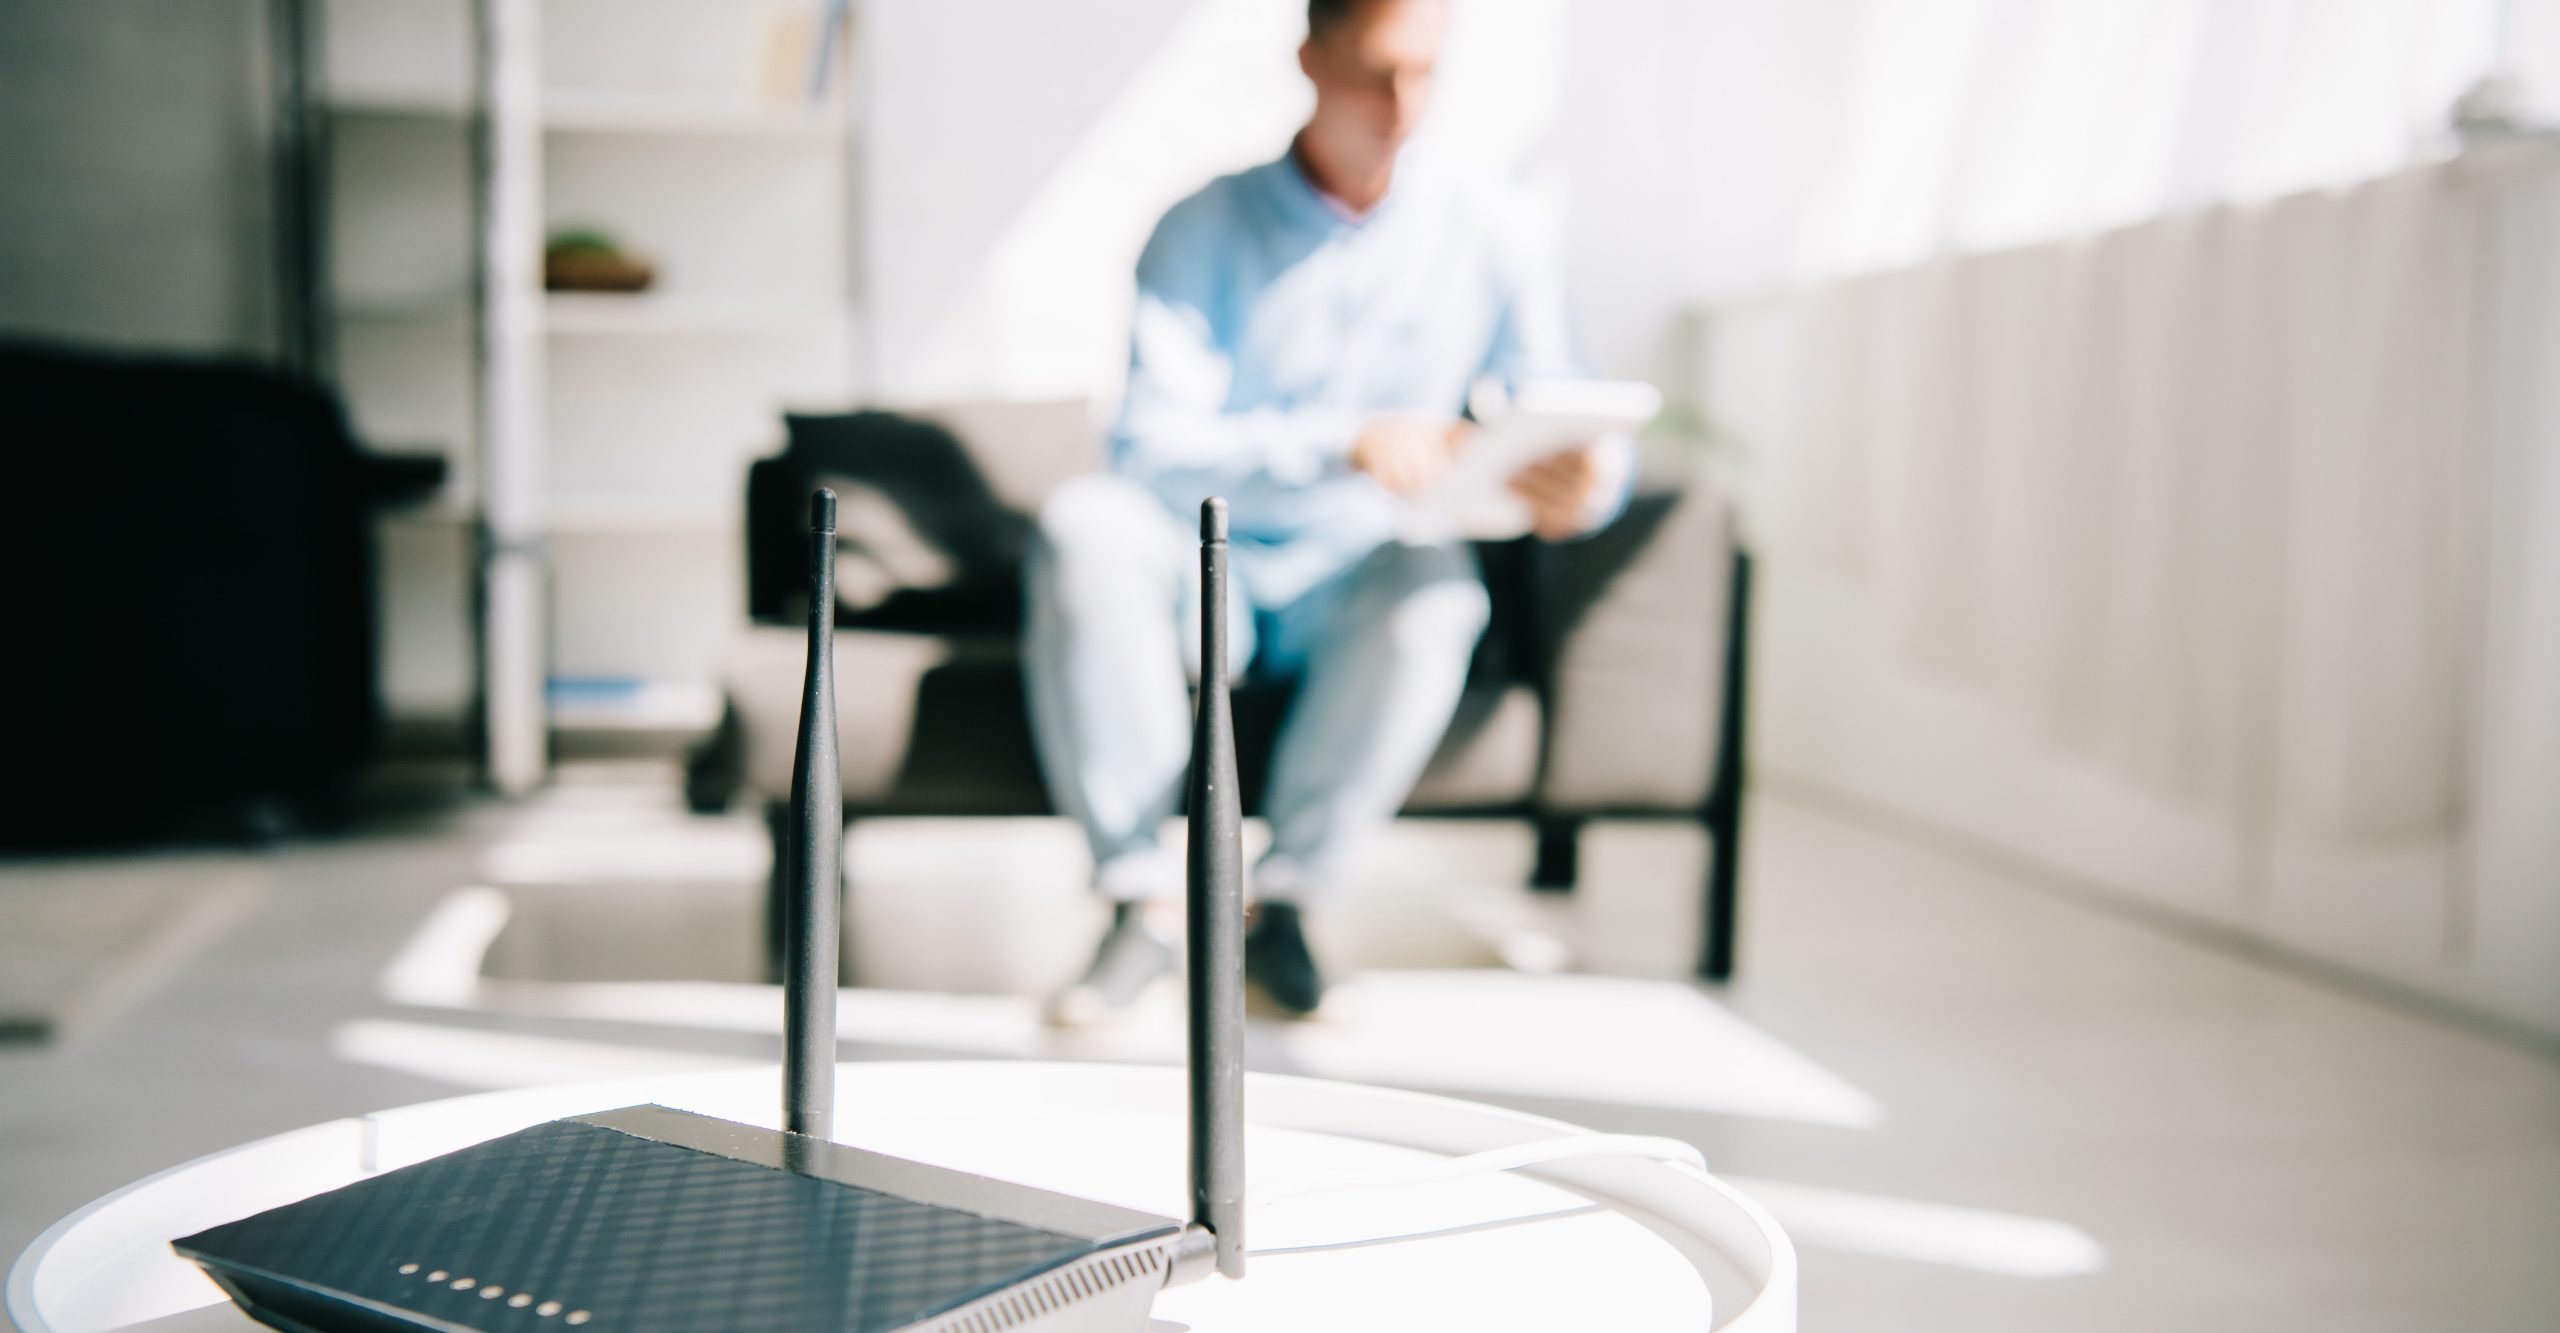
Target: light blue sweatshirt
[{"x": 1270, "y": 326}]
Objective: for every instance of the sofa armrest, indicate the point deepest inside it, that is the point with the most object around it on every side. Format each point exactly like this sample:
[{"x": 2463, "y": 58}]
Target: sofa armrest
[{"x": 1635, "y": 691}]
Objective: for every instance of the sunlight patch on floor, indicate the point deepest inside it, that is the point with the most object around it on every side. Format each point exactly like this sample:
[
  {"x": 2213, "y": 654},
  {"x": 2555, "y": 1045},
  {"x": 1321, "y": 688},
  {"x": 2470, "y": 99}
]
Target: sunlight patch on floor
[
  {"x": 1634, "y": 1042},
  {"x": 469, "y": 1058},
  {"x": 1609, "y": 1039}
]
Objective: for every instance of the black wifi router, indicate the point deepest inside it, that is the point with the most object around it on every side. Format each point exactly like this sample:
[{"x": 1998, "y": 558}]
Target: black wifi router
[{"x": 652, "y": 1220}]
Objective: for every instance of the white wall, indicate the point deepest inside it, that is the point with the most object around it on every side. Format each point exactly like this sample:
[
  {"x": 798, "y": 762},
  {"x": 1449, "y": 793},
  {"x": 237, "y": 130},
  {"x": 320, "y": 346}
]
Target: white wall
[
  {"x": 2530, "y": 40},
  {"x": 1014, "y": 157},
  {"x": 1691, "y": 135},
  {"x": 1017, "y": 155},
  {"x": 133, "y": 185}
]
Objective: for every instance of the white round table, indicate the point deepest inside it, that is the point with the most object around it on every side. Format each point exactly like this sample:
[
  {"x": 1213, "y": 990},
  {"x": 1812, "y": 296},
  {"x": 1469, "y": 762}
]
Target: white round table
[{"x": 1587, "y": 1243}]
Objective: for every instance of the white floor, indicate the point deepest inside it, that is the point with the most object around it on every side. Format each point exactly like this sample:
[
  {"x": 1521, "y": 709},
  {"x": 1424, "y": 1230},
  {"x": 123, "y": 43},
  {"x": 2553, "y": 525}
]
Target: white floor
[{"x": 1976, "y": 1104}]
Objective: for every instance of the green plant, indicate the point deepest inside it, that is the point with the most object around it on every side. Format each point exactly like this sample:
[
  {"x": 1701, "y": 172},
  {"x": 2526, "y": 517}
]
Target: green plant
[{"x": 582, "y": 241}]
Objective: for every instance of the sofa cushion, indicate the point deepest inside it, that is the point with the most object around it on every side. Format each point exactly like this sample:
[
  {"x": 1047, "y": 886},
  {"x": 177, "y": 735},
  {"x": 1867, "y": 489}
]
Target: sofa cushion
[
  {"x": 1637, "y": 678},
  {"x": 1489, "y": 759},
  {"x": 935, "y": 724},
  {"x": 923, "y": 721},
  {"x": 1024, "y": 449}
]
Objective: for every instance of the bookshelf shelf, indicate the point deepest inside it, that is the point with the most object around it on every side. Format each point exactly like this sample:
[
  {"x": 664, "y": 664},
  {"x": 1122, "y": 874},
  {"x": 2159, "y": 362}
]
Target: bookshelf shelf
[
  {"x": 585, "y": 314},
  {"x": 596, "y": 315},
  {"x": 577, "y": 111}
]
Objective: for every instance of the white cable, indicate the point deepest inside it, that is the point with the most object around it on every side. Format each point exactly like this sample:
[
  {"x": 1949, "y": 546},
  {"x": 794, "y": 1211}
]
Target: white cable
[{"x": 1498, "y": 1159}]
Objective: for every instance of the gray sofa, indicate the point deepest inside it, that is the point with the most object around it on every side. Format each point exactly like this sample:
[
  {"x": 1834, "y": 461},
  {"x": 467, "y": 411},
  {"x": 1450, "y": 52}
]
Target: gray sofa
[{"x": 1608, "y": 685}]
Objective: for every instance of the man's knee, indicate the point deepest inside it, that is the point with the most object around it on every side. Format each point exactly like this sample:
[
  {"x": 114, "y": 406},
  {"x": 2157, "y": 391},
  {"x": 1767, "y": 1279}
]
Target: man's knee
[
  {"x": 1100, "y": 516},
  {"x": 1432, "y": 597},
  {"x": 1098, "y": 506}
]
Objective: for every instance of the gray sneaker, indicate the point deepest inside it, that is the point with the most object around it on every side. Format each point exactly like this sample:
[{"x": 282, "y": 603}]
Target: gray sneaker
[{"x": 1130, "y": 959}]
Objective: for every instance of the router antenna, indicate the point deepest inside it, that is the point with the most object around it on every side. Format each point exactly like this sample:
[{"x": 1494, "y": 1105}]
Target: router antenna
[
  {"x": 810, "y": 934},
  {"x": 1216, "y": 912}
]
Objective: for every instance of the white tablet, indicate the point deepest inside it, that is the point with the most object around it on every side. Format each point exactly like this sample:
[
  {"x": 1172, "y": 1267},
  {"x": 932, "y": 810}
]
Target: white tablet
[{"x": 1473, "y": 499}]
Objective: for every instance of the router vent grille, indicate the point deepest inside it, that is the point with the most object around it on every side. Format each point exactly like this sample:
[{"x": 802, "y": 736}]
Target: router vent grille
[
  {"x": 1077, "y": 1282},
  {"x": 645, "y": 1237}
]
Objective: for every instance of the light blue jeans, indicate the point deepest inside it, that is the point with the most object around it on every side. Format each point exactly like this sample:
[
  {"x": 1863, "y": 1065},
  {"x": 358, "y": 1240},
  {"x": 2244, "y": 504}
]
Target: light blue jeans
[{"x": 1114, "y": 643}]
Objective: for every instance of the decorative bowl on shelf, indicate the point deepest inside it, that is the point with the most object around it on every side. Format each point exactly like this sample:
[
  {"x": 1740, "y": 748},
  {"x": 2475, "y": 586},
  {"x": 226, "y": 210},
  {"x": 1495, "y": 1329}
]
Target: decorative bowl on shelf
[{"x": 591, "y": 261}]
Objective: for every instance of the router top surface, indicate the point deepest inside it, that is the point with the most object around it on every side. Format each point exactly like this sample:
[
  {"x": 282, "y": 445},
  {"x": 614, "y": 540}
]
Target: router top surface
[{"x": 652, "y": 1219}]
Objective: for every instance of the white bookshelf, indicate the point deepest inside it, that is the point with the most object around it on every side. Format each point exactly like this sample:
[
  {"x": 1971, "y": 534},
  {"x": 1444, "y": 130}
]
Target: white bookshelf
[{"x": 682, "y": 128}]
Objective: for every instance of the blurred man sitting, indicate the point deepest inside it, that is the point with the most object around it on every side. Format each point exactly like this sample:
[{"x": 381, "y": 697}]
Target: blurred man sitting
[{"x": 1306, "y": 334}]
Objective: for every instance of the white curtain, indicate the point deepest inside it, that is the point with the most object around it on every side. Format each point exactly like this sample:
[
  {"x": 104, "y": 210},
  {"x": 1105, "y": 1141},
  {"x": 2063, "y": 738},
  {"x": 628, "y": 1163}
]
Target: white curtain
[
  {"x": 2517, "y": 714},
  {"x": 2188, "y": 494},
  {"x": 2134, "y": 379},
  {"x": 1980, "y": 124}
]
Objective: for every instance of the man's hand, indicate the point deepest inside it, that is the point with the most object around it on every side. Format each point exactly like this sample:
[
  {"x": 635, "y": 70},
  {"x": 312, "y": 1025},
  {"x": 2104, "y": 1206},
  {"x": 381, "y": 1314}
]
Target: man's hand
[
  {"x": 1406, "y": 454},
  {"x": 1559, "y": 488}
]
